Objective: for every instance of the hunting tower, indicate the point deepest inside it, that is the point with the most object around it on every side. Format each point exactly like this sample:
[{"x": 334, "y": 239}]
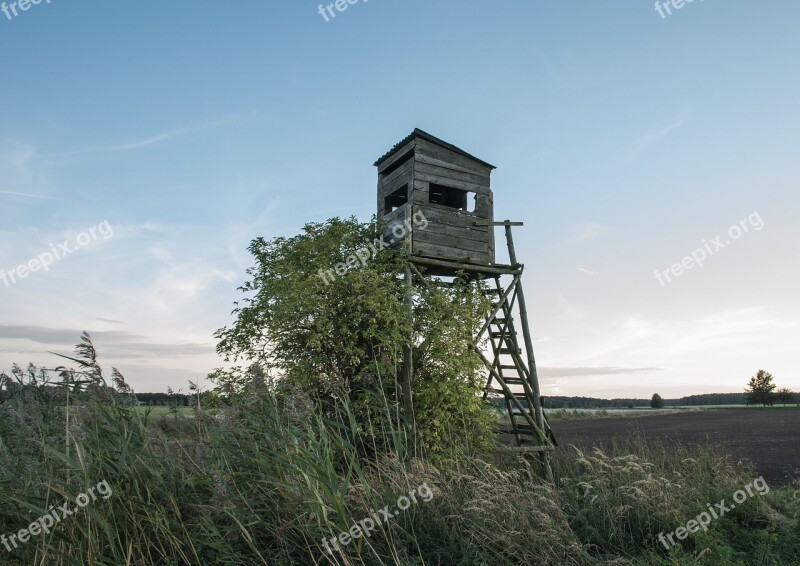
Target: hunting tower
[
  {"x": 449, "y": 187},
  {"x": 423, "y": 176}
]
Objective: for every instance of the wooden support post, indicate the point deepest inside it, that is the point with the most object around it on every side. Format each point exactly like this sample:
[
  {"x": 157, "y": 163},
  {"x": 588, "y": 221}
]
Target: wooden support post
[
  {"x": 408, "y": 360},
  {"x": 526, "y": 333}
]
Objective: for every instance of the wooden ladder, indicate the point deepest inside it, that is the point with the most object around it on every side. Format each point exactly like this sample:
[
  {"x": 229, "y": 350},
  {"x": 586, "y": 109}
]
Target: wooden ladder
[{"x": 512, "y": 367}]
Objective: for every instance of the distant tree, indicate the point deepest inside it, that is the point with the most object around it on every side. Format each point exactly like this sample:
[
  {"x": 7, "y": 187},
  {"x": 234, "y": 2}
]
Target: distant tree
[
  {"x": 656, "y": 402},
  {"x": 176, "y": 400},
  {"x": 784, "y": 395},
  {"x": 759, "y": 389}
]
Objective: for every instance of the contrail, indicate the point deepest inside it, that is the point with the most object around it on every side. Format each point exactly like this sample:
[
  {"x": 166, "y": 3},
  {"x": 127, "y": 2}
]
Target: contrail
[{"x": 23, "y": 194}]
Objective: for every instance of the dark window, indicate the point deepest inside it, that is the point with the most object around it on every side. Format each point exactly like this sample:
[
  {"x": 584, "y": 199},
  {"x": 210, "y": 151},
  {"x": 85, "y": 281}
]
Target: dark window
[
  {"x": 398, "y": 164},
  {"x": 450, "y": 197},
  {"x": 395, "y": 200}
]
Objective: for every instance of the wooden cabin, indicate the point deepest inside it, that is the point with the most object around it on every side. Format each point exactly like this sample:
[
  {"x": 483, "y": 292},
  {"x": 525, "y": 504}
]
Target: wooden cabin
[{"x": 423, "y": 177}]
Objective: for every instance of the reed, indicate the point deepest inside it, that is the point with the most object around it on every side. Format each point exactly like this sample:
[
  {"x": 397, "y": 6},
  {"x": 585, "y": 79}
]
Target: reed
[{"x": 256, "y": 483}]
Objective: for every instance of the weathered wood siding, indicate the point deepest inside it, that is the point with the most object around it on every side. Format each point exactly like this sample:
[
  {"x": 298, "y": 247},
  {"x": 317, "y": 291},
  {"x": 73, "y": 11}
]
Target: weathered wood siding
[{"x": 451, "y": 233}]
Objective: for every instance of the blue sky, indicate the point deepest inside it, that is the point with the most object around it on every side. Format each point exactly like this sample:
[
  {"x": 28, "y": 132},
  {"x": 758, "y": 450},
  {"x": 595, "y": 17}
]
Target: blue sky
[{"x": 622, "y": 140}]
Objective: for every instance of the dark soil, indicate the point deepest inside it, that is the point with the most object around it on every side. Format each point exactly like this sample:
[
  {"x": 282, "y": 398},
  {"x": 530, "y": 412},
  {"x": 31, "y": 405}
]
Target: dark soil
[{"x": 769, "y": 438}]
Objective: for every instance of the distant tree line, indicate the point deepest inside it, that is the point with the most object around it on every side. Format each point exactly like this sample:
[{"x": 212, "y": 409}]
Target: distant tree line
[
  {"x": 760, "y": 391},
  {"x": 711, "y": 399},
  {"x": 164, "y": 399},
  {"x": 560, "y": 402},
  {"x": 549, "y": 402}
]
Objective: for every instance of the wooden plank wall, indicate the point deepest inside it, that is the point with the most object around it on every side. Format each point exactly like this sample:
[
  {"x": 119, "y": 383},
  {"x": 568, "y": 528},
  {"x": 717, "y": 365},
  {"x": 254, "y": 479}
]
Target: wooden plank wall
[
  {"x": 451, "y": 233},
  {"x": 397, "y": 218}
]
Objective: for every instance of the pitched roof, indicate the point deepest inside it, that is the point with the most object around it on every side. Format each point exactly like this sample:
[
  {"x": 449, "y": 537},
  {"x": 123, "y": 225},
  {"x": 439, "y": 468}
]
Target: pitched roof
[{"x": 417, "y": 133}]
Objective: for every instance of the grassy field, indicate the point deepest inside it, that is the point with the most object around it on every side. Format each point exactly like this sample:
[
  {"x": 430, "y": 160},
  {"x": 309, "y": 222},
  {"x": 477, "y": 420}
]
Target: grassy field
[
  {"x": 163, "y": 411},
  {"x": 768, "y": 438},
  {"x": 573, "y": 414},
  {"x": 752, "y": 407},
  {"x": 261, "y": 484}
]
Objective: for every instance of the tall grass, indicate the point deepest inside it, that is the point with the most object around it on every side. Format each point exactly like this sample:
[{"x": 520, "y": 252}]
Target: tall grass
[
  {"x": 260, "y": 483},
  {"x": 576, "y": 414}
]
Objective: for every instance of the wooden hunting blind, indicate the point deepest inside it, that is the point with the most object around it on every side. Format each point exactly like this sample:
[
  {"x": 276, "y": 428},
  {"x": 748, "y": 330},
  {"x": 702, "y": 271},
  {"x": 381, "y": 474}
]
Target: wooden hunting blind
[{"x": 424, "y": 176}]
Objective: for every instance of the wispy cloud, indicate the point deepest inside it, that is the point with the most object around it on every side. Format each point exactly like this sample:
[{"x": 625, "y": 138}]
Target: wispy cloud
[
  {"x": 586, "y": 232},
  {"x": 24, "y": 172},
  {"x": 152, "y": 140},
  {"x": 652, "y": 137},
  {"x": 570, "y": 311},
  {"x": 19, "y": 153},
  {"x": 548, "y": 372},
  {"x": 664, "y": 342},
  {"x": 29, "y": 195},
  {"x": 55, "y": 336},
  {"x": 117, "y": 344},
  {"x": 588, "y": 271}
]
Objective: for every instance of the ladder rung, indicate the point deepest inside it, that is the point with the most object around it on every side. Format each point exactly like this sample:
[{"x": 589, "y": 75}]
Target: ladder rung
[
  {"x": 518, "y": 430},
  {"x": 540, "y": 448},
  {"x": 508, "y": 367},
  {"x": 520, "y": 396},
  {"x": 506, "y": 334},
  {"x": 509, "y": 351}
]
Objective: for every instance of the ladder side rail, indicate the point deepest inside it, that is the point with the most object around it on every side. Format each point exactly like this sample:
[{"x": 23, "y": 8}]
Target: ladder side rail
[{"x": 509, "y": 394}]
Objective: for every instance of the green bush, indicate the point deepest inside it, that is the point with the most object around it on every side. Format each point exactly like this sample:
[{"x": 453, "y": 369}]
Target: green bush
[{"x": 342, "y": 337}]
